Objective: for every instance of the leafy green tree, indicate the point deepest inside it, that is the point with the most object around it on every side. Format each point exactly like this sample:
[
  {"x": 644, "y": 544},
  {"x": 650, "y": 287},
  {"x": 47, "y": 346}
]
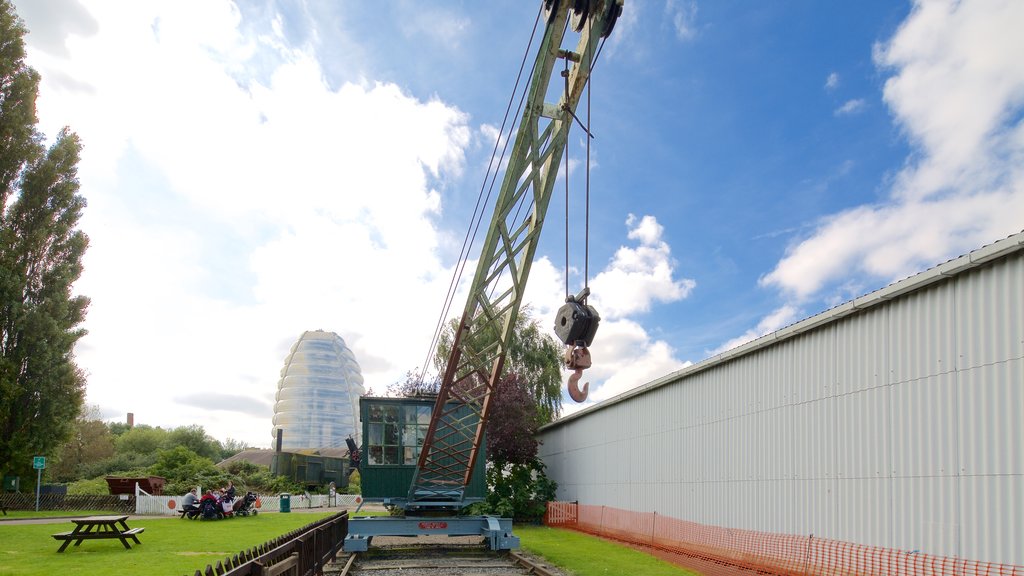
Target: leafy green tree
[
  {"x": 91, "y": 441},
  {"x": 142, "y": 441},
  {"x": 118, "y": 429},
  {"x": 184, "y": 469},
  {"x": 118, "y": 465},
  {"x": 194, "y": 438},
  {"x": 528, "y": 396},
  {"x": 414, "y": 384},
  {"x": 249, "y": 476},
  {"x": 20, "y": 143},
  {"x": 534, "y": 356},
  {"x": 512, "y": 424},
  {"x": 230, "y": 447},
  {"x": 517, "y": 486},
  {"x": 41, "y": 388}
]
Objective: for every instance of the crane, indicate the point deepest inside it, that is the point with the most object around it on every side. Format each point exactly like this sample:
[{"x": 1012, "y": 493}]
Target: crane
[{"x": 454, "y": 438}]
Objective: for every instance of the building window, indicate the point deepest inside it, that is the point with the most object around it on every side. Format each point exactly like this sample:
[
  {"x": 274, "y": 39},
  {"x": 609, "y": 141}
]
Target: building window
[{"x": 396, "y": 433}]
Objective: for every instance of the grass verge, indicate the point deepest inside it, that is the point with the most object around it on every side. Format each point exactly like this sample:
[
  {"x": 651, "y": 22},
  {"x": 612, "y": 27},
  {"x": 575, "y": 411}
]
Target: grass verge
[
  {"x": 586, "y": 555},
  {"x": 170, "y": 546},
  {"x": 177, "y": 547}
]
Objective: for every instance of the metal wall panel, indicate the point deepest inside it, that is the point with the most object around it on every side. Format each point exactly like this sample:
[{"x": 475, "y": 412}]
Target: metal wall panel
[
  {"x": 992, "y": 517},
  {"x": 990, "y": 418},
  {"x": 863, "y": 433},
  {"x": 864, "y": 508},
  {"x": 922, "y": 339},
  {"x": 925, "y": 515},
  {"x": 990, "y": 313},
  {"x": 813, "y": 367},
  {"x": 924, "y": 427},
  {"x": 900, "y": 426},
  {"x": 862, "y": 351}
]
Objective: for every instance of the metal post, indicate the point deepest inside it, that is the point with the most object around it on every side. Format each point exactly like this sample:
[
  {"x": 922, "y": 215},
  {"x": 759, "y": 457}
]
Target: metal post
[{"x": 39, "y": 478}]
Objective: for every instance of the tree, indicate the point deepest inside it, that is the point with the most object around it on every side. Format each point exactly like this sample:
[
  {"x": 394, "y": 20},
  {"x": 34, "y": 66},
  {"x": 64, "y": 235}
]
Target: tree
[
  {"x": 230, "y": 447},
  {"x": 512, "y": 424},
  {"x": 19, "y": 85},
  {"x": 142, "y": 441},
  {"x": 194, "y": 438},
  {"x": 41, "y": 388},
  {"x": 533, "y": 356},
  {"x": 91, "y": 441},
  {"x": 184, "y": 469},
  {"x": 414, "y": 385},
  {"x": 528, "y": 396}
]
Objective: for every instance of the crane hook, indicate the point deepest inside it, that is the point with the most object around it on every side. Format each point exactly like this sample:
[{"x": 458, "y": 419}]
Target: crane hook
[{"x": 577, "y": 358}]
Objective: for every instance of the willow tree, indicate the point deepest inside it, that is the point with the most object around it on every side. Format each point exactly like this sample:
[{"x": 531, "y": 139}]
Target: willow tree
[
  {"x": 528, "y": 395},
  {"x": 41, "y": 249},
  {"x": 534, "y": 358}
]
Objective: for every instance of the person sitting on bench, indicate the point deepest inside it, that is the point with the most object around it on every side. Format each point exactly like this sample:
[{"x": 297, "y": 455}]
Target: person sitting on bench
[{"x": 190, "y": 501}]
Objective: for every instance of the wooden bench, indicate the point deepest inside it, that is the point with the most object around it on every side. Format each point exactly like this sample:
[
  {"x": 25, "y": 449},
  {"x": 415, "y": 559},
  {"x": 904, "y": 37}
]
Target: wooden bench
[
  {"x": 99, "y": 528},
  {"x": 192, "y": 512}
]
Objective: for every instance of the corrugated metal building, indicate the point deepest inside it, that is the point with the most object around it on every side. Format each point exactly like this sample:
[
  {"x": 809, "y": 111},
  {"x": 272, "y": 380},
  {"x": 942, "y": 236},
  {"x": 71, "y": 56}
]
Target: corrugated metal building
[{"x": 893, "y": 420}]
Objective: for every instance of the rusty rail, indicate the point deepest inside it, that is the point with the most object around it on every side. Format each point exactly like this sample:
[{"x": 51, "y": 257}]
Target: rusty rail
[
  {"x": 302, "y": 552},
  {"x": 530, "y": 566}
]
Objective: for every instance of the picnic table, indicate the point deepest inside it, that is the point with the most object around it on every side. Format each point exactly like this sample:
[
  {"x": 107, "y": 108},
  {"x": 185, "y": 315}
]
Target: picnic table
[{"x": 99, "y": 527}]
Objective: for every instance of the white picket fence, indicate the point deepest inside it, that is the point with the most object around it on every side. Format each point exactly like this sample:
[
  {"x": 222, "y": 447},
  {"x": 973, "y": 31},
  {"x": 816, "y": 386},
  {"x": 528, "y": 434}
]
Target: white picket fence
[{"x": 148, "y": 504}]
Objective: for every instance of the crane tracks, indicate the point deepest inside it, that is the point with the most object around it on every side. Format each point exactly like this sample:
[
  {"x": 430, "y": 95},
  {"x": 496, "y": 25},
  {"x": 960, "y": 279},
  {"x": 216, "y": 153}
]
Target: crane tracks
[{"x": 435, "y": 560}]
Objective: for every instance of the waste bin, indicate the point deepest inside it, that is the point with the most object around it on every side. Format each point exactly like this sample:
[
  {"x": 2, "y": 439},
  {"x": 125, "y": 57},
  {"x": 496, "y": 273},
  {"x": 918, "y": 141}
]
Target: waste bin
[{"x": 286, "y": 502}]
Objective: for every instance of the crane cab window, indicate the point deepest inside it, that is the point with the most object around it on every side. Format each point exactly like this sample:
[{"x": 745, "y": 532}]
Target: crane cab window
[{"x": 396, "y": 434}]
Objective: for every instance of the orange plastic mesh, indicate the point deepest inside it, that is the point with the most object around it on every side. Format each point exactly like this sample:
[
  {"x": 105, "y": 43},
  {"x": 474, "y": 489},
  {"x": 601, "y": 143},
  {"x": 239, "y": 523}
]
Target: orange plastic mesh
[{"x": 784, "y": 554}]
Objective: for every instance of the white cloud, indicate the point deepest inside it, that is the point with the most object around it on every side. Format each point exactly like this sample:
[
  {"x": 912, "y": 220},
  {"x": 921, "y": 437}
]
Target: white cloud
[
  {"x": 439, "y": 26},
  {"x": 850, "y": 107},
  {"x": 776, "y": 320},
  {"x": 832, "y": 82},
  {"x": 683, "y": 15},
  {"x": 236, "y": 200},
  {"x": 625, "y": 355},
  {"x": 957, "y": 92},
  {"x": 638, "y": 276}
]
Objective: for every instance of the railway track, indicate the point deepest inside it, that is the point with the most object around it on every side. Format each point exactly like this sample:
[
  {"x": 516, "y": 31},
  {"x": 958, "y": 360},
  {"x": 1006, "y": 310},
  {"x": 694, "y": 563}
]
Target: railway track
[{"x": 422, "y": 559}]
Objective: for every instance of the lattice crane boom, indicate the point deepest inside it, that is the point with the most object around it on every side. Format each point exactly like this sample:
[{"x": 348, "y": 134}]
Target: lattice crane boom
[{"x": 454, "y": 438}]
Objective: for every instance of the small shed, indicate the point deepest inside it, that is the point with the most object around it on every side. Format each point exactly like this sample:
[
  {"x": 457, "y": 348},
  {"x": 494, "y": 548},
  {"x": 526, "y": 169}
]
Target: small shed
[{"x": 153, "y": 485}]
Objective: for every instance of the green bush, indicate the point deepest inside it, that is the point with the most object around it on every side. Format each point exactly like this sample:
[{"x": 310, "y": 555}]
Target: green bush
[
  {"x": 93, "y": 487},
  {"x": 519, "y": 491},
  {"x": 355, "y": 483},
  {"x": 118, "y": 465}
]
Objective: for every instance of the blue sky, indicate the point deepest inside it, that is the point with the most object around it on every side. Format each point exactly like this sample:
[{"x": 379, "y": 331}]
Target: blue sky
[{"x": 257, "y": 169}]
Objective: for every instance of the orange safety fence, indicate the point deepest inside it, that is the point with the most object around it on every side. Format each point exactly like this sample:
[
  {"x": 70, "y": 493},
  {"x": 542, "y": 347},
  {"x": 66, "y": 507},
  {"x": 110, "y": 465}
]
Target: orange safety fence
[{"x": 786, "y": 554}]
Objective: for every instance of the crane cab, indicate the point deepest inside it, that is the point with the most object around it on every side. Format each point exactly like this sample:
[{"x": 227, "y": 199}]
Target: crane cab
[{"x": 393, "y": 434}]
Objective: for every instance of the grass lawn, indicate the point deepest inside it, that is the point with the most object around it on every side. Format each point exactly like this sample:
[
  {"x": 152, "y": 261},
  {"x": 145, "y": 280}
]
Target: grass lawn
[
  {"x": 586, "y": 555},
  {"x": 170, "y": 546},
  {"x": 175, "y": 547}
]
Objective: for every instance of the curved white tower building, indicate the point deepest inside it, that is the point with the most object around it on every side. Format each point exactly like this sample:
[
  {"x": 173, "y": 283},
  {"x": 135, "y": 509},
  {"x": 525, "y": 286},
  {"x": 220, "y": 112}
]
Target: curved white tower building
[{"x": 317, "y": 402}]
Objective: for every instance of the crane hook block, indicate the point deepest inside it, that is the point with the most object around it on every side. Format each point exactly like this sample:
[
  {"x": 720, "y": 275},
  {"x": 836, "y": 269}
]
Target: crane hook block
[{"x": 576, "y": 322}]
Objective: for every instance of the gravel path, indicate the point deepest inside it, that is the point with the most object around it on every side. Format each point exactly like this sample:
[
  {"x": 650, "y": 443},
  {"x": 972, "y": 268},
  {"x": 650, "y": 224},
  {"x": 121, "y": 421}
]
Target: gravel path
[{"x": 431, "y": 556}]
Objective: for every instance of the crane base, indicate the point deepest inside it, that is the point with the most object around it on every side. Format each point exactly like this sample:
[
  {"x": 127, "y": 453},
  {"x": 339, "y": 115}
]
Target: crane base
[{"x": 496, "y": 531}]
